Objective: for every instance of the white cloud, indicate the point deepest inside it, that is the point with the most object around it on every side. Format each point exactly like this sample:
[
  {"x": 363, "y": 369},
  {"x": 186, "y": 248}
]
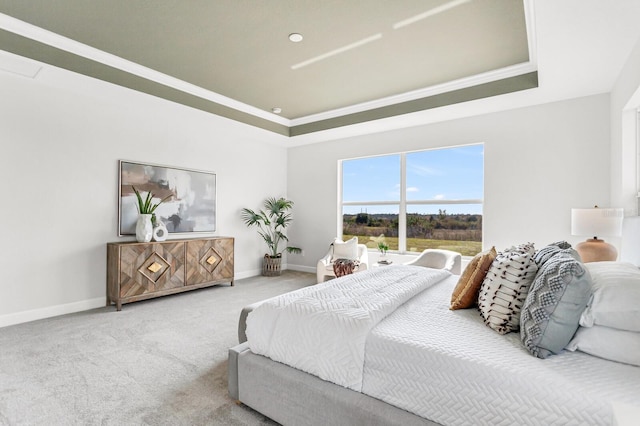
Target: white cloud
[
  {"x": 413, "y": 189},
  {"x": 425, "y": 170},
  {"x": 438, "y": 197}
]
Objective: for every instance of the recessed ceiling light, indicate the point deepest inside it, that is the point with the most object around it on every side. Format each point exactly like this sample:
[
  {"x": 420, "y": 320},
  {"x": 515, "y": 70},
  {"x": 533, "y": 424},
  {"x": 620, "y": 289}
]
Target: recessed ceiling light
[
  {"x": 276, "y": 110},
  {"x": 295, "y": 37}
]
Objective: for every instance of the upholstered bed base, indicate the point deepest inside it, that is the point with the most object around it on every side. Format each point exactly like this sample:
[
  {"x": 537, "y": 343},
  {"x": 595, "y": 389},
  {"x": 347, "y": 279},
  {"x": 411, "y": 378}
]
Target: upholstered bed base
[{"x": 293, "y": 397}]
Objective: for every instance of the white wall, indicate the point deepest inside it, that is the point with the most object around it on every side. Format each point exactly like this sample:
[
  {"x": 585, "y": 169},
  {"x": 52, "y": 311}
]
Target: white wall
[
  {"x": 539, "y": 163},
  {"x": 61, "y": 136},
  {"x": 625, "y": 99}
]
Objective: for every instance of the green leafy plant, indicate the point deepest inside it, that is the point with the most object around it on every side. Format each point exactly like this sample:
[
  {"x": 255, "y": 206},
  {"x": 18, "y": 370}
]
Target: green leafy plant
[
  {"x": 271, "y": 223},
  {"x": 383, "y": 247},
  {"x": 146, "y": 206},
  {"x": 380, "y": 243}
]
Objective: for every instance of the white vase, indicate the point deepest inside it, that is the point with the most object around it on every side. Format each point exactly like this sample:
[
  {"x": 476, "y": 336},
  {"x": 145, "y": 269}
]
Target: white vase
[
  {"x": 160, "y": 231},
  {"x": 144, "y": 228}
]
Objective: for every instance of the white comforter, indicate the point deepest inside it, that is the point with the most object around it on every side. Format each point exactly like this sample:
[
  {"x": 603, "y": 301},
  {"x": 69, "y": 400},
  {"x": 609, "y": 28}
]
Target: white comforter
[
  {"x": 449, "y": 367},
  {"x": 338, "y": 316}
]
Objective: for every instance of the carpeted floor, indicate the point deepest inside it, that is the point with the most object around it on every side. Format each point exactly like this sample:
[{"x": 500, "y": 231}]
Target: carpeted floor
[{"x": 157, "y": 362}]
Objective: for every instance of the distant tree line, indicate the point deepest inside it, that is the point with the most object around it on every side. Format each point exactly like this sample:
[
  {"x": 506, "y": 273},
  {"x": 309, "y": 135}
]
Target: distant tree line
[{"x": 440, "y": 226}]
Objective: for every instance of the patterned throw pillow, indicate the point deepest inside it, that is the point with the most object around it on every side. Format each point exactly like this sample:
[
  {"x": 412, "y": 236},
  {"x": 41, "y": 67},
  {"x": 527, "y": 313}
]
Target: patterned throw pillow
[
  {"x": 549, "y": 251},
  {"x": 506, "y": 286},
  {"x": 555, "y": 302},
  {"x": 465, "y": 295}
]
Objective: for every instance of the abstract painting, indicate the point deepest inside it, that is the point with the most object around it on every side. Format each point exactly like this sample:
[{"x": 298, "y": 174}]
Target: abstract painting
[{"x": 191, "y": 206}]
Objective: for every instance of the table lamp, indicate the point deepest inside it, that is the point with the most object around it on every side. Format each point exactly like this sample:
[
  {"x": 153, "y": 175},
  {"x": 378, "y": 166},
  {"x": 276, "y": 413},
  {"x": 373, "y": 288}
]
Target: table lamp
[{"x": 596, "y": 222}]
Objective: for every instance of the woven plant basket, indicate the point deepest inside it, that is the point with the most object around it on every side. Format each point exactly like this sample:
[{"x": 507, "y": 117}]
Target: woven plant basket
[{"x": 271, "y": 266}]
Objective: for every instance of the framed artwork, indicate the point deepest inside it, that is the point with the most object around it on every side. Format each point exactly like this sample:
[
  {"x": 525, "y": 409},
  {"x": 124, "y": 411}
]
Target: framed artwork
[{"x": 191, "y": 206}]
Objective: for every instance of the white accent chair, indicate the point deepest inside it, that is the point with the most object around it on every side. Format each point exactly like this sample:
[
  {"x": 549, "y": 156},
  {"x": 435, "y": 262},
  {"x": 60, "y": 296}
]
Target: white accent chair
[
  {"x": 439, "y": 259},
  {"x": 324, "y": 268}
]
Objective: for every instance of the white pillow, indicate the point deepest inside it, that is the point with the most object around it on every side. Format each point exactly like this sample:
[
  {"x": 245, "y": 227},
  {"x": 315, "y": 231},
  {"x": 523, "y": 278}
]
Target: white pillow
[
  {"x": 608, "y": 343},
  {"x": 345, "y": 250},
  {"x": 615, "y": 300}
]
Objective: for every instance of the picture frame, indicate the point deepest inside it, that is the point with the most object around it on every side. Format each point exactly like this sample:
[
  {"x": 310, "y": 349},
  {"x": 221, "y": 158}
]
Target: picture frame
[{"x": 190, "y": 208}]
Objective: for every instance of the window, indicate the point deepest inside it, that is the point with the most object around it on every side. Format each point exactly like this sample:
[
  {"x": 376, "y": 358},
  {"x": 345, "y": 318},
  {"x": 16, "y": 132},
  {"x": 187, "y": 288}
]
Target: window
[{"x": 415, "y": 200}]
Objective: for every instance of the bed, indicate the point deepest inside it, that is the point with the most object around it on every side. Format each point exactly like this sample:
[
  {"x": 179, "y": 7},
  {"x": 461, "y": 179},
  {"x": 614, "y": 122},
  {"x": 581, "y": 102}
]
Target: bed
[{"x": 407, "y": 359}]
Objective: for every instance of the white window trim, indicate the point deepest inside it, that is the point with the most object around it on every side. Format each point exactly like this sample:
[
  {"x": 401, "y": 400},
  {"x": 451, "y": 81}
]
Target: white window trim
[{"x": 402, "y": 203}]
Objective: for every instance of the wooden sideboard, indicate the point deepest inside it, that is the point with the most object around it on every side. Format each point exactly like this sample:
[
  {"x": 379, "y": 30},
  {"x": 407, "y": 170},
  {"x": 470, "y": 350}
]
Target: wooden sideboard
[{"x": 139, "y": 271}]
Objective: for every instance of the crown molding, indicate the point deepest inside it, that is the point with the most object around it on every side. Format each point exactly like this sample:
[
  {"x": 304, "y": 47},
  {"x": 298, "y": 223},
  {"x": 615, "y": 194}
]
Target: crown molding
[
  {"x": 49, "y": 38},
  {"x": 463, "y": 83},
  {"x": 215, "y": 102}
]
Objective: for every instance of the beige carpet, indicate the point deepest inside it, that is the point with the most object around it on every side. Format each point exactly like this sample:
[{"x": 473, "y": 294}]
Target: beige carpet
[{"x": 157, "y": 362}]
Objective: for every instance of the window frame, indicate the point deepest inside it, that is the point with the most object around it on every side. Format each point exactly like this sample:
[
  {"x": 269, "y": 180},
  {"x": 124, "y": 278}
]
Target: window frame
[{"x": 403, "y": 202}]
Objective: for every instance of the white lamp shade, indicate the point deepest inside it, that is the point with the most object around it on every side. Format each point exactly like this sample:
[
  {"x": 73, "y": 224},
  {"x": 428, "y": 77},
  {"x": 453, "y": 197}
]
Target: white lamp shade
[{"x": 597, "y": 222}]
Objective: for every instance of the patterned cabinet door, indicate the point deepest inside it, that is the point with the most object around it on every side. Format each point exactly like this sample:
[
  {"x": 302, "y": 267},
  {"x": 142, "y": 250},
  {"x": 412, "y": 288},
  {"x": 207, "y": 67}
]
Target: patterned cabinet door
[
  {"x": 209, "y": 260},
  {"x": 148, "y": 268}
]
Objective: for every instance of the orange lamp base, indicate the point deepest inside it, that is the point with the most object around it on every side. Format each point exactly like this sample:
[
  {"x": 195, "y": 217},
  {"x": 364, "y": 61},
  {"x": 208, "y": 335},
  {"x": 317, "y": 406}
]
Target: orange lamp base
[{"x": 595, "y": 250}]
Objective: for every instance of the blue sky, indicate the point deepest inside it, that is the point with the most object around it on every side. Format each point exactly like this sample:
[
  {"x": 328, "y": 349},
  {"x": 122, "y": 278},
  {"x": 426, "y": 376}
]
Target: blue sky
[{"x": 451, "y": 173}]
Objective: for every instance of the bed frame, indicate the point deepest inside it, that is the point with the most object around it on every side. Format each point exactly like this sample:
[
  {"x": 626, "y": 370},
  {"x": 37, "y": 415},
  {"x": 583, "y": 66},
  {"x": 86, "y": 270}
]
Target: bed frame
[{"x": 293, "y": 397}]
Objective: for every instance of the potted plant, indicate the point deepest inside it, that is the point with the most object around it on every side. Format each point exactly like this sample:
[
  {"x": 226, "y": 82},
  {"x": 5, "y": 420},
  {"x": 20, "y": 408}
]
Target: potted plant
[
  {"x": 146, "y": 217},
  {"x": 271, "y": 223},
  {"x": 383, "y": 248}
]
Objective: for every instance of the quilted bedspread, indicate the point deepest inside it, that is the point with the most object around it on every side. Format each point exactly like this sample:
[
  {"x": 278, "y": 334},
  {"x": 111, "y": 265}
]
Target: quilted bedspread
[
  {"x": 449, "y": 367},
  {"x": 323, "y": 329}
]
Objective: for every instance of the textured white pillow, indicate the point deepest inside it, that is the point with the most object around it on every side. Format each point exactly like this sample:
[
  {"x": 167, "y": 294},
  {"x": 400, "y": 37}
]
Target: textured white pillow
[
  {"x": 506, "y": 286},
  {"x": 345, "y": 249},
  {"x": 615, "y": 301},
  {"x": 608, "y": 343}
]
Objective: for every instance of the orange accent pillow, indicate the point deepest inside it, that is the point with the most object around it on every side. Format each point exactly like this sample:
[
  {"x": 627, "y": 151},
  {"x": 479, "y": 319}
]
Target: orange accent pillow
[{"x": 465, "y": 295}]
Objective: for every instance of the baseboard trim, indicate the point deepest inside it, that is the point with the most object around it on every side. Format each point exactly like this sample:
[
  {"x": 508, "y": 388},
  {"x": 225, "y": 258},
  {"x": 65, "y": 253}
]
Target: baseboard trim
[
  {"x": 51, "y": 311},
  {"x": 99, "y": 302},
  {"x": 247, "y": 274},
  {"x": 285, "y": 266},
  {"x": 302, "y": 268}
]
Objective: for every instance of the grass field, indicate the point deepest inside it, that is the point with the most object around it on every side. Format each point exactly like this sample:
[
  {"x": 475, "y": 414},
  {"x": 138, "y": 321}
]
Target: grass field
[{"x": 466, "y": 248}]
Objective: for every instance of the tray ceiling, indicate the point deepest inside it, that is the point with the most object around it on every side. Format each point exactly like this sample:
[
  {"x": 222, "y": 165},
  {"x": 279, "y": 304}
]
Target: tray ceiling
[{"x": 359, "y": 60}]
